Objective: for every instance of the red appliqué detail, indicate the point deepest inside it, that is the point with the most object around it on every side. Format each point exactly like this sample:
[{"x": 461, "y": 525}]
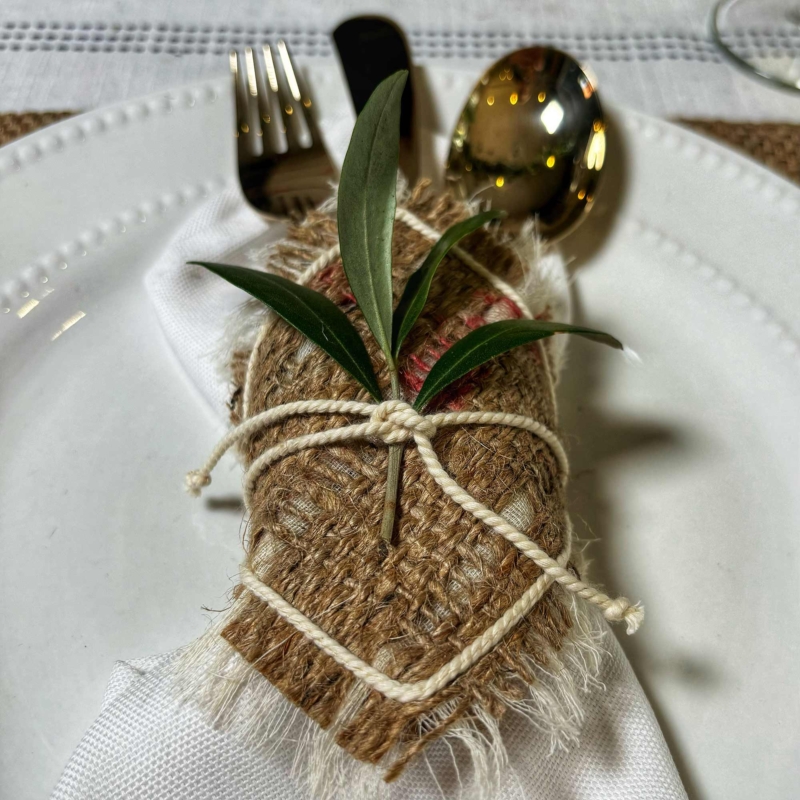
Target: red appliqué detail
[
  {"x": 492, "y": 299},
  {"x": 415, "y": 375},
  {"x": 444, "y": 342},
  {"x": 512, "y": 307},
  {"x": 453, "y": 397},
  {"x": 326, "y": 276},
  {"x": 419, "y": 363},
  {"x": 412, "y": 380},
  {"x": 474, "y": 321}
]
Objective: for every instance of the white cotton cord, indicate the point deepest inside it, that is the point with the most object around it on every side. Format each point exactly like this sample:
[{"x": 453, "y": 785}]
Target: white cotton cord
[
  {"x": 248, "y": 384},
  {"x": 316, "y": 266},
  {"x": 509, "y": 420},
  {"x": 416, "y": 224},
  {"x": 374, "y": 678},
  {"x": 392, "y": 422},
  {"x": 197, "y": 479},
  {"x": 614, "y": 609}
]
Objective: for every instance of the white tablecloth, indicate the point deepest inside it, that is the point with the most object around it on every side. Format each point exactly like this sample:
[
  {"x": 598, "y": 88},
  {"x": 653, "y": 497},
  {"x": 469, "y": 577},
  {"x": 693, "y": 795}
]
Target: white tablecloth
[{"x": 652, "y": 55}]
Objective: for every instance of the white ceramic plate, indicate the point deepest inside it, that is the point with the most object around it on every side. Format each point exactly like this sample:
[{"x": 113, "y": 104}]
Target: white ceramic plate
[{"x": 686, "y": 468}]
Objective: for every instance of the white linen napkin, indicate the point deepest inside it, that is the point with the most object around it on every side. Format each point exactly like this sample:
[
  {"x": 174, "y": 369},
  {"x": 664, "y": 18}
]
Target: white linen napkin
[{"x": 146, "y": 744}]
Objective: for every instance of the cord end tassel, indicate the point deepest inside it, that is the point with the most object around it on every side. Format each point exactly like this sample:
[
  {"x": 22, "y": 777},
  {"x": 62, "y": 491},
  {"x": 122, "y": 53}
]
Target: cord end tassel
[
  {"x": 622, "y": 609},
  {"x": 196, "y": 481}
]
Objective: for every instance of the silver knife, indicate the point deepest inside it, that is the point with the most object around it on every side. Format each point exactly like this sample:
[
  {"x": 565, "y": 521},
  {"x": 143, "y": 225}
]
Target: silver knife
[{"x": 370, "y": 49}]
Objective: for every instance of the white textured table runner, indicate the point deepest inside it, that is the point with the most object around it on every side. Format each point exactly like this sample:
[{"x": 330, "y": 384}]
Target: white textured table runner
[{"x": 652, "y": 55}]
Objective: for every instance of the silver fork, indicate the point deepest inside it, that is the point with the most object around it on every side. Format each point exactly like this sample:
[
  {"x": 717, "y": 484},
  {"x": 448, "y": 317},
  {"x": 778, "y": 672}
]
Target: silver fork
[{"x": 284, "y": 168}]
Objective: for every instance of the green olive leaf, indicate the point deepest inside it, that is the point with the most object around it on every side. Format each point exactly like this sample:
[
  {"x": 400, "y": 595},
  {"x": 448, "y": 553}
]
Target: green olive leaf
[
  {"x": 309, "y": 312},
  {"x": 419, "y": 284},
  {"x": 490, "y": 341},
  {"x": 366, "y": 206}
]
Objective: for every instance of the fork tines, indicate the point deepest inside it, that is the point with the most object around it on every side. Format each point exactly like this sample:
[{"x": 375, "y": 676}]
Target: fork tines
[{"x": 274, "y": 124}]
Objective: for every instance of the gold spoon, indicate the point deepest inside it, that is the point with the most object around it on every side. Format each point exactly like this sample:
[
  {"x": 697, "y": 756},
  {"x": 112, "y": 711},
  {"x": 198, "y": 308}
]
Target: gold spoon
[{"x": 531, "y": 140}]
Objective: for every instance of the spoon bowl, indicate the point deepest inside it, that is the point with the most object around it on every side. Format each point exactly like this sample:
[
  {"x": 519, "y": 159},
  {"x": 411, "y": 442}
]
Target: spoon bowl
[{"x": 531, "y": 140}]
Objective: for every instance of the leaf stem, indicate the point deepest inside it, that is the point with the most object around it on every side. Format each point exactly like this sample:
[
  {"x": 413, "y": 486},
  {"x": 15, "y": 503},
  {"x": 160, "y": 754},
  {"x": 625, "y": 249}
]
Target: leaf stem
[{"x": 393, "y": 470}]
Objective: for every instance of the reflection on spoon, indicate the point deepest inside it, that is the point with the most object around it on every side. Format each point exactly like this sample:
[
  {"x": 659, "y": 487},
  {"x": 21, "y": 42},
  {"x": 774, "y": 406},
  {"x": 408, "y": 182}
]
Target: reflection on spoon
[{"x": 531, "y": 140}]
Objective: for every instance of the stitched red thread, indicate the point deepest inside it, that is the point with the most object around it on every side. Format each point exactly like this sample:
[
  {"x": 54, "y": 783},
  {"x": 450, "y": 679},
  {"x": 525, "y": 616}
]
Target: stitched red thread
[
  {"x": 515, "y": 310},
  {"x": 412, "y": 380},
  {"x": 326, "y": 276},
  {"x": 474, "y": 321}
]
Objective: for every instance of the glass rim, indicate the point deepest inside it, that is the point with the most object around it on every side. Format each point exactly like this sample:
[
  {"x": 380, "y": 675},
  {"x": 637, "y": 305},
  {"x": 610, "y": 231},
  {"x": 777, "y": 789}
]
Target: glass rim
[{"x": 751, "y": 69}]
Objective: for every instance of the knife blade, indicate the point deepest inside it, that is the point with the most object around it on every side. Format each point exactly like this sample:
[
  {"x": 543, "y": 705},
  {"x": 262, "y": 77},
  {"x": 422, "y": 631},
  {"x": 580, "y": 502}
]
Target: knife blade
[{"x": 370, "y": 49}]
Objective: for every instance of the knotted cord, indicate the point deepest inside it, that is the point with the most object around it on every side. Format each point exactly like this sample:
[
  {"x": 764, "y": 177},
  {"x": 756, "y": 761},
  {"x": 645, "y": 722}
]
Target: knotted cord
[{"x": 393, "y": 422}]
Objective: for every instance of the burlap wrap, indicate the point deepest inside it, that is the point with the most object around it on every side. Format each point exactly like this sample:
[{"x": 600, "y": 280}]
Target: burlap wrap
[{"x": 315, "y": 527}]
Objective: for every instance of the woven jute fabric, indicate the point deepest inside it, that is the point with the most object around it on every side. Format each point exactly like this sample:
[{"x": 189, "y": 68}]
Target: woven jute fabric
[{"x": 408, "y": 608}]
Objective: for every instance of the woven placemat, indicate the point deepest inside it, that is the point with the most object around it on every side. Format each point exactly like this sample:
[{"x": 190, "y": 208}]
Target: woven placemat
[
  {"x": 776, "y": 144},
  {"x": 12, "y": 126}
]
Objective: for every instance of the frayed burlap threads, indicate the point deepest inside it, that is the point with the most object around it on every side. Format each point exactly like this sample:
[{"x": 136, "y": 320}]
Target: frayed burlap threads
[{"x": 314, "y": 531}]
